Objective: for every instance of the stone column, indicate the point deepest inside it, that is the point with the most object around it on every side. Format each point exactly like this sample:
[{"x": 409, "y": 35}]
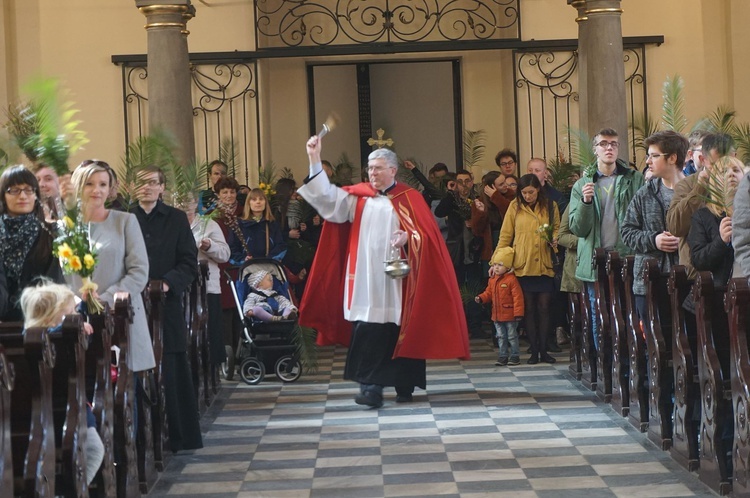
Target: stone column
[
  {"x": 583, "y": 104},
  {"x": 605, "y": 69},
  {"x": 170, "y": 105}
]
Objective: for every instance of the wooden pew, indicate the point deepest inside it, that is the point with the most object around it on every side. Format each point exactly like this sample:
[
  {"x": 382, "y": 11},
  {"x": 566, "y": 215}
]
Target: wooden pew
[
  {"x": 69, "y": 406},
  {"x": 713, "y": 371},
  {"x": 686, "y": 389},
  {"x": 124, "y": 403},
  {"x": 6, "y": 455},
  {"x": 738, "y": 308},
  {"x": 603, "y": 332},
  {"x": 32, "y": 427},
  {"x": 100, "y": 392},
  {"x": 208, "y": 378},
  {"x": 639, "y": 386},
  {"x": 620, "y": 354},
  {"x": 576, "y": 335},
  {"x": 588, "y": 351},
  {"x": 658, "y": 327},
  {"x": 197, "y": 340},
  {"x": 154, "y": 302}
]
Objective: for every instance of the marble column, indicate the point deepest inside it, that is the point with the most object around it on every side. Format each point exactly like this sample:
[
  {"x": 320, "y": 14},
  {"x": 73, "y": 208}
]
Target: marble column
[
  {"x": 605, "y": 97},
  {"x": 170, "y": 105}
]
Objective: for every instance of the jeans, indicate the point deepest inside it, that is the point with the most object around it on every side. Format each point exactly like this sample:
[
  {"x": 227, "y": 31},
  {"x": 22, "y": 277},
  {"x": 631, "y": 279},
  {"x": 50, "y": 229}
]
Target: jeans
[
  {"x": 507, "y": 333},
  {"x": 592, "y": 307}
]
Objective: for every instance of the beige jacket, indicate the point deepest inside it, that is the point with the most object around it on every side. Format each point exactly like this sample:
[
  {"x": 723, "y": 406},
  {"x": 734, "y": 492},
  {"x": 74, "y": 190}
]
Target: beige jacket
[{"x": 688, "y": 198}]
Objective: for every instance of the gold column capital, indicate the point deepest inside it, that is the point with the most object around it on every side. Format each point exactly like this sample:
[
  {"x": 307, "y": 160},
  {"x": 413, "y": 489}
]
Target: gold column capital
[
  {"x": 609, "y": 10},
  {"x": 166, "y": 16}
]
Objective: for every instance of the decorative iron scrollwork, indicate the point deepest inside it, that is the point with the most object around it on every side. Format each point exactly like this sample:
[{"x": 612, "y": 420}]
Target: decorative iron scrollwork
[{"x": 293, "y": 23}]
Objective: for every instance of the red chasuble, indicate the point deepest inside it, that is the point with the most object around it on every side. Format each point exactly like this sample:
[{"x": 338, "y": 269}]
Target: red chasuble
[{"x": 433, "y": 325}]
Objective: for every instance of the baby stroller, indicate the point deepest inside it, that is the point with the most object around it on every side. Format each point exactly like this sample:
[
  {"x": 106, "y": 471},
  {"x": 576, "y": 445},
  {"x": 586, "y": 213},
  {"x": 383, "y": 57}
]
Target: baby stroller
[{"x": 262, "y": 345}]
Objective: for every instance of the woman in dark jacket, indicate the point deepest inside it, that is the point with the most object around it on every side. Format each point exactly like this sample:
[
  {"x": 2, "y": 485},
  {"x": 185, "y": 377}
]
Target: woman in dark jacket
[
  {"x": 262, "y": 235},
  {"x": 25, "y": 239}
]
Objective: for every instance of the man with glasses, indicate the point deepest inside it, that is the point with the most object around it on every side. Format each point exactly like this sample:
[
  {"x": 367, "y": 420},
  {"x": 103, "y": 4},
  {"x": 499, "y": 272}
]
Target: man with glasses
[
  {"x": 173, "y": 259},
  {"x": 689, "y": 194},
  {"x": 598, "y": 204},
  {"x": 391, "y": 326},
  {"x": 506, "y": 160}
]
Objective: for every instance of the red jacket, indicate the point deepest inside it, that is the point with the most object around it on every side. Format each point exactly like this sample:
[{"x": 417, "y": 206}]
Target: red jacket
[{"x": 506, "y": 296}]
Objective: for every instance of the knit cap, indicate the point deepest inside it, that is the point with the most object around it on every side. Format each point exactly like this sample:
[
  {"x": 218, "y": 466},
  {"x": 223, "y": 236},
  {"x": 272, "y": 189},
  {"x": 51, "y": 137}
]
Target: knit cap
[
  {"x": 255, "y": 278},
  {"x": 503, "y": 256}
]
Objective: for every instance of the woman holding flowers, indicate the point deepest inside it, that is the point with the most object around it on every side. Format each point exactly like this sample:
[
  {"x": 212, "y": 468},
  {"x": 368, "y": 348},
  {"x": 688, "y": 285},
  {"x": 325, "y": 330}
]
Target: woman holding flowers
[
  {"x": 261, "y": 235},
  {"x": 534, "y": 246},
  {"x": 116, "y": 243},
  {"x": 25, "y": 239}
]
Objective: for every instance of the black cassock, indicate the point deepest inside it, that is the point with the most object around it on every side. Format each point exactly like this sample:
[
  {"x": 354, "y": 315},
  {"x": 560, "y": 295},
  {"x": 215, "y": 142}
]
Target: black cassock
[{"x": 173, "y": 257}]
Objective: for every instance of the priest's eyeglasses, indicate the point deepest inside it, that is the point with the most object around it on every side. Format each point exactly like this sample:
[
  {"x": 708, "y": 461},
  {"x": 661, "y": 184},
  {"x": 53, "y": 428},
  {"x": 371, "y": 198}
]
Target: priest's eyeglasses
[{"x": 373, "y": 169}]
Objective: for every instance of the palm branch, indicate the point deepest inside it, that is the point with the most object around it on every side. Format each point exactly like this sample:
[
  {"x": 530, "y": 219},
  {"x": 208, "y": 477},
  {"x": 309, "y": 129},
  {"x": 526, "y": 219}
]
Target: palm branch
[
  {"x": 186, "y": 180},
  {"x": 673, "y": 108},
  {"x": 286, "y": 173},
  {"x": 267, "y": 174},
  {"x": 154, "y": 149},
  {"x": 469, "y": 291},
  {"x": 304, "y": 341},
  {"x": 643, "y": 127},
  {"x": 562, "y": 173},
  {"x": 742, "y": 140},
  {"x": 719, "y": 191},
  {"x": 229, "y": 154},
  {"x": 721, "y": 120},
  {"x": 403, "y": 175},
  {"x": 581, "y": 151},
  {"x": 474, "y": 147}
]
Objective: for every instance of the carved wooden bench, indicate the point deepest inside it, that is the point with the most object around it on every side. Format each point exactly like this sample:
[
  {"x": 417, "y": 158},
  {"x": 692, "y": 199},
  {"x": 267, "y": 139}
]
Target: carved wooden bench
[
  {"x": 588, "y": 351},
  {"x": 657, "y": 325},
  {"x": 620, "y": 354},
  {"x": 686, "y": 388},
  {"x": 738, "y": 309},
  {"x": 576, "y": 335},
  {"x": 639, "y": 404},
  {"x": 6, "y": 454},
  {"x": 715, "y": 384},
  {"x": 603, "y": 332},
  {"x": 32, "y": 426}
]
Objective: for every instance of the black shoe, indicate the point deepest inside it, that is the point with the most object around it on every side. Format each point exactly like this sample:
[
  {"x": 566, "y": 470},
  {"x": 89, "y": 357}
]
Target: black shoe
[
  {"x": 546, "y": 358},
  {"x": 369, "y": 398},
  {"x": 501, "y": 362},
  {"x": 513, "y": 361},
  {"x": 404, "y": 398},
  {"x": 533, "y": 360},
  {"x": 553, "y": 348}
]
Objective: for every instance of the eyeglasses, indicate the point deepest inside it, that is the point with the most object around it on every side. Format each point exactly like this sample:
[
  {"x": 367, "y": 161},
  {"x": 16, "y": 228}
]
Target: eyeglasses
[
  {"x": 655, "y": 156},
  {"x": 465, "y": 182},
  {"x": 373, "y": 169},
  {"x": 151, "y": 183},
  {"x": 17, "y": 191},
  {"x": 605, "y": 145},
  {"x": 507, "y": 163}
]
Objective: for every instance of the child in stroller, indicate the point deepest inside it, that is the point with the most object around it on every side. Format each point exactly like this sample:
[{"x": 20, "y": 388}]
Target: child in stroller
[{"x": 264, "y": 303}]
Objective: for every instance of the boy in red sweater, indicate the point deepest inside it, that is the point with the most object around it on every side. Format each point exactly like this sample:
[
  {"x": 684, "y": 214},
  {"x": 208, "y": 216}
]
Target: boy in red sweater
[{"x": 505, "y": 293}]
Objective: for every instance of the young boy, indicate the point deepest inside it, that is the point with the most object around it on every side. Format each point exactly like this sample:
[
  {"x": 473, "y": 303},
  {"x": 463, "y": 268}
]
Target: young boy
[
  {"x": 505, "y": 293},
  {"x": 264, "y": 303},
  {"x": 644, "y": 228}
]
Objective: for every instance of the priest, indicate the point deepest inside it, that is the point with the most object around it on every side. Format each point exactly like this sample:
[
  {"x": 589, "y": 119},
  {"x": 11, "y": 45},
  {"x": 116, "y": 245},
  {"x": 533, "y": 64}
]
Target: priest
[{"x": 391, "y": 326}]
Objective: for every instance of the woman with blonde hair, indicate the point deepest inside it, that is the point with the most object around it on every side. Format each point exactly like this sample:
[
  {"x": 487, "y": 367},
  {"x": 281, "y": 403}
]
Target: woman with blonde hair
[
  {"x": 261, "y": 233},
  {"x": 121, "y": 252}
]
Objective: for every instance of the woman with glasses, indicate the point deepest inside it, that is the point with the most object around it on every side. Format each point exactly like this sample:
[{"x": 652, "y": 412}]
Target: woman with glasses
[{"x": 25, "y": 240}]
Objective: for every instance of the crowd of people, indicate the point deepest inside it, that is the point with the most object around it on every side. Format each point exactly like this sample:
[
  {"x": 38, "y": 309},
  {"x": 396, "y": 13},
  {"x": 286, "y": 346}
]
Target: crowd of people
[{"x": 517, "y": 244}]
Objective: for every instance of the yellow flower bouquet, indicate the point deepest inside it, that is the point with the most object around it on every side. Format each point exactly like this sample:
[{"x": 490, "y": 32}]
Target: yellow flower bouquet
[{"x": 77, "y": 256}]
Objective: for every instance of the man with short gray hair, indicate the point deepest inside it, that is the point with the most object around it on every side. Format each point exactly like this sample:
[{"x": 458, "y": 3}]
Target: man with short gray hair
[{"x": 391, "y": 326}]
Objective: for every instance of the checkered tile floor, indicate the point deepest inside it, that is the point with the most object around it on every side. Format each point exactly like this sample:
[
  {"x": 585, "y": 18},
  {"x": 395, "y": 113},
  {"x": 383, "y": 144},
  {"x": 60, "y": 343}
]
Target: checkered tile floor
[{"x": 479, "y": 430}]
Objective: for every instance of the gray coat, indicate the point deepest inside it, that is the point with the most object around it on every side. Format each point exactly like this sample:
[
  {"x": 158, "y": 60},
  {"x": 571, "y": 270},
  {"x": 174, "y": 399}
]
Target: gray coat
[
  {"x": 646, "y": 218},
  {"x": 123, "y": 267},
  {"x": 741, "y": 229}
]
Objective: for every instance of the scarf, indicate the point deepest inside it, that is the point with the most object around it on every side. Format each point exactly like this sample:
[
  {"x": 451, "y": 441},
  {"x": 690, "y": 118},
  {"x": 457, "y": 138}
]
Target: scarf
[{"x": 18, "y": 235}]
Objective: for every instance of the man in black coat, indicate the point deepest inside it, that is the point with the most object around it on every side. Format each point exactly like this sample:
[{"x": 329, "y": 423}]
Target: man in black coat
[{"x": 173, "y": 258}]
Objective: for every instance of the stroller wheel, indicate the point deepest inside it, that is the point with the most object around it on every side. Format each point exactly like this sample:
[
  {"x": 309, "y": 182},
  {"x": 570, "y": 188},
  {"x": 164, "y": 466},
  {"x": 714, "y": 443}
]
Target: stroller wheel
[
  {"x": 252, "y": 371},
  {"x": 288, "y": 368},
  {"x": 227, "y": 368}
]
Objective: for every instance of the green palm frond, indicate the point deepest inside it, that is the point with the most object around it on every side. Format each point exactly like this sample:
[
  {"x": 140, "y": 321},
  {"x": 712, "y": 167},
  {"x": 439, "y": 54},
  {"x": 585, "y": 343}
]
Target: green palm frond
[
  {"x": 742, "y": 140},
  {"x": 304, "y": 341},
  {"x": 719, "y": 191},
  {"x": 469, "y": 291},
  {"x": 643, "y": 127},
  {"x": 673, "y": 109},
  {"x": 155, "y": 149},
  {"x": 721, "y": 120},
  {"x": 229, "y": 154},
  {"x": 44, "y": 127},
  {"x": 342, "y": 172},
  {"x": 405, "y": 176},
  {"x": 582, "y": 151},
  {"x": 562, "y": 173},
  {"x": 286, "y": 173},
  {"x": 186, "y": 181},
  {"x": 474, "y": 147},
  {"x": 267, "y": 174}
]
